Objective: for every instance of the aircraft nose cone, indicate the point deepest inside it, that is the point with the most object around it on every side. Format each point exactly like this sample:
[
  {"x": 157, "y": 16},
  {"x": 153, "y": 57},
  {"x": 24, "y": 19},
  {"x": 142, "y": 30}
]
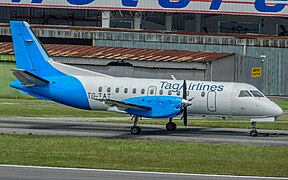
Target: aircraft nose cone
[{"x": 276, "y": 110}]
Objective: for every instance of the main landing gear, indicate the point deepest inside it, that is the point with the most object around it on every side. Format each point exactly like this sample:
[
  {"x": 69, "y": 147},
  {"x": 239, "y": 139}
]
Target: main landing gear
[
  {"x": 171, "y": 126},
  {"x": 253, "y": 132},
  {"x": 135, "y": 129}
]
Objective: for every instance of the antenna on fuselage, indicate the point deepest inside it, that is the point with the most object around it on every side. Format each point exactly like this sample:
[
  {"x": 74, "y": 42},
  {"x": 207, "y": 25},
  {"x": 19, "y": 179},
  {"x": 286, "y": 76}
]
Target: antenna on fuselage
[{"x": 173, "y": 77}]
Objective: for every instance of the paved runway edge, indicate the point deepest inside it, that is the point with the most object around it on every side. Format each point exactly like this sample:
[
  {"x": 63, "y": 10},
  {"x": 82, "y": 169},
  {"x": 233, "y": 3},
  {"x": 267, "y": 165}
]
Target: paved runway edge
[
  {"x": 139, "y": 172},
  {"x": 78, "y": 128}
]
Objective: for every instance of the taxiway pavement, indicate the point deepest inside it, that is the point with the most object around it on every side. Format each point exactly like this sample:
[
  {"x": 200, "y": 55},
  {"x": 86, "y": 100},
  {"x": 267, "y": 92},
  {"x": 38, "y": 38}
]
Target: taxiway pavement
[
  {"x": 11, "y": 172},
  {"x": 79, "y": 127}
]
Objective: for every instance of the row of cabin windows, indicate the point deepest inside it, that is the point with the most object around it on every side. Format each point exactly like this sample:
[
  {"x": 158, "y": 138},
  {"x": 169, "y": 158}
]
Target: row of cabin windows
[{"x": 151, "y": 91}]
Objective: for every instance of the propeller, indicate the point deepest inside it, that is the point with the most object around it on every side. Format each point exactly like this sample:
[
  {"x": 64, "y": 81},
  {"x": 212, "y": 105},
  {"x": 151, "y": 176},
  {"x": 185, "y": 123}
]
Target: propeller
[
  {"x": 185, "y": 107},
  {"x": 185, "y": 103}
]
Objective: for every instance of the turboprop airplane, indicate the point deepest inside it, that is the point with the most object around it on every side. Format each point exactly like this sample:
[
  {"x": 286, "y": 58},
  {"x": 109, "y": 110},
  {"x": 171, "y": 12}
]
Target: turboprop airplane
[{"x": 39, "y": 76}]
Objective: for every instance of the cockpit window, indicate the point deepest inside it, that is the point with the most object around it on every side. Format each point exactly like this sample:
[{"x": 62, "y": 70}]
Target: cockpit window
[
  {"x": 245, "y": 93},
  {"x": 256, "y": 93}
]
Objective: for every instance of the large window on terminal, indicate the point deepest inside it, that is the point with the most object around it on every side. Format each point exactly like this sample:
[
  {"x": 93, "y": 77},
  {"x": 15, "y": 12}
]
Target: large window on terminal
[
  {"x": 245, "y": 93},
  {"x": 256, "y": 93}
]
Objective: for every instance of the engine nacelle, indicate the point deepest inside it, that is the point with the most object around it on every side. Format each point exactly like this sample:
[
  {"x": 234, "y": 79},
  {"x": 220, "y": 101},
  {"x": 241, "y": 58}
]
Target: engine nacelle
[{"x": 162, "y": 106}]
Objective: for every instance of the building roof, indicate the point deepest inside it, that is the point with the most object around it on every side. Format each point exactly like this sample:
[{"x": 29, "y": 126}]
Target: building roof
[
  {"x": 125, "y": 35},
  {"x": 123, "y": 53},
  {"x": 93, "y": 29}
]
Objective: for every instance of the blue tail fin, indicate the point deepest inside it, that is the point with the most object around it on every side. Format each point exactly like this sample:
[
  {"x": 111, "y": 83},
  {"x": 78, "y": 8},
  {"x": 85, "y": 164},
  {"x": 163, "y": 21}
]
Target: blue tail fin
[{"x": 30, "y": 54}]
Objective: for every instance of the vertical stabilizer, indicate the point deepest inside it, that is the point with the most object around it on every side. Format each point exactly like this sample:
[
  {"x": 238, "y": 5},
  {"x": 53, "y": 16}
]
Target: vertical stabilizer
[{"x": 30, "y": 54}]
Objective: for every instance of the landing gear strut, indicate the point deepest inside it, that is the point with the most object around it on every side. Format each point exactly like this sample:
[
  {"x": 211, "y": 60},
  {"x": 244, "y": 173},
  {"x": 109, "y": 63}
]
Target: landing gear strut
[
  {"x": 253, "y": 132},
  {"x": 135, "y": 130},
  {"x": 171, "y": 126}
]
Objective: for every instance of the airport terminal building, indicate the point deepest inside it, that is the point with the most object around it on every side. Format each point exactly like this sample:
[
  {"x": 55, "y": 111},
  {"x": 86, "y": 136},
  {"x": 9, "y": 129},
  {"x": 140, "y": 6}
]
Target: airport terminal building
[{"x": 252, "y": 32}]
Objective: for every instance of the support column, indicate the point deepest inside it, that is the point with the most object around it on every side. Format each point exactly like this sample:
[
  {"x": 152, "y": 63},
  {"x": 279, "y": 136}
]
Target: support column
[
  {"x": 137, "y": 20},
  {"x": 106, "y": 19},
  {"x": 198, "y": 22},
  {"x": 168, "y": 21}
]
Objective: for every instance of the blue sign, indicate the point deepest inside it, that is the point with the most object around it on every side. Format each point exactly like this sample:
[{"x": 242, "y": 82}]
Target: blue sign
[{"x": 259, "y": 5}]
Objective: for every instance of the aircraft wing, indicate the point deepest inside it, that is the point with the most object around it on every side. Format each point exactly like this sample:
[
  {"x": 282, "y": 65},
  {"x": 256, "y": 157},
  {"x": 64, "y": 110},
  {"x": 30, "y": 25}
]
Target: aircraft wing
[
  {"x": 125, "y": 105},
  {"x": 28, "y": 79}
]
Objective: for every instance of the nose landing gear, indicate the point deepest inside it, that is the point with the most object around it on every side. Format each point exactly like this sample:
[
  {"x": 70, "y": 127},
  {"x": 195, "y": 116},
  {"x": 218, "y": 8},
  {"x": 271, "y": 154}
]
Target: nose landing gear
[
  {"x": 253, "y": 132},
  {"x": 171, "y": 126}
]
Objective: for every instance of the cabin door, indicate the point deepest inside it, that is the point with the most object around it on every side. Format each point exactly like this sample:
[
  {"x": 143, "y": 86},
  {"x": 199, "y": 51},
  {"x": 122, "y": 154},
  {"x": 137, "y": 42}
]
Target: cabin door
[{"x": 211, "y": 101}]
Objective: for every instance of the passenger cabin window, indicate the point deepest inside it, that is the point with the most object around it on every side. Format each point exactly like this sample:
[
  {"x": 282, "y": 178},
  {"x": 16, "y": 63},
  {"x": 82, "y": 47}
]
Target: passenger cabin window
[
  {"x": 161, "y": 91},
  {"x": 125, "y": 90},
  {"x": 109, "y": 89},
  {"x": 134, "y": 91},
  {"x": 256, "y": 93},
  {"x": 203, "y": 94},
  {"x": 142, "y": 91},
  {"x": 178, "y": 93},
  {"x": 169, "y": 92},
  {"x": 151, "y": 91},
  {"x": 100, "y": 89},
  {"x": 245, "y": 93},
  {"x": 117, "y": 90}
]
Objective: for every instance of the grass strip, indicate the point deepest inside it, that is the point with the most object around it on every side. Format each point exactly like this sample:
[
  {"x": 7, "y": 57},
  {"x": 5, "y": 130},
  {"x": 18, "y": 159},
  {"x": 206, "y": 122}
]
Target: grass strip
[
  {"x": 143, "y": 155},
  {"x": 283, "y": 104},
  {"x": 39, "y": 108}
]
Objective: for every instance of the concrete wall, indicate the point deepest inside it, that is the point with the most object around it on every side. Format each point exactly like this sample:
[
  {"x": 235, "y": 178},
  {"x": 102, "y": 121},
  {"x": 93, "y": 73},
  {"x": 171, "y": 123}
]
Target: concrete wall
[
  {"x": 236, "y": 69},
  {"x": 140, "y": 69}
]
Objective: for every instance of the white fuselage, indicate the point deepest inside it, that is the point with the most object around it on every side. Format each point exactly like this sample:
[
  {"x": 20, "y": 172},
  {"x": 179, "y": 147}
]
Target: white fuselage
[{"x": 209, "y": 98}]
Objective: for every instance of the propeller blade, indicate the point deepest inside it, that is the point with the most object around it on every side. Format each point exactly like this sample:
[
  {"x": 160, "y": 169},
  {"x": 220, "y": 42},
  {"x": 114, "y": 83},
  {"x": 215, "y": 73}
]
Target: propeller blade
[
  {"x": 185, "y": 107},
  {"x": 184, "y": 90},
  {"x": 185, "y": 116}
]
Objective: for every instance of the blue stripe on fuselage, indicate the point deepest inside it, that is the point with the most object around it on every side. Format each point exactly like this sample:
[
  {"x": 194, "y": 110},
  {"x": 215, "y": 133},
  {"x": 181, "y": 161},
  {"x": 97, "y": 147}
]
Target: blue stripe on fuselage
[{"x": 64, "y": 89}]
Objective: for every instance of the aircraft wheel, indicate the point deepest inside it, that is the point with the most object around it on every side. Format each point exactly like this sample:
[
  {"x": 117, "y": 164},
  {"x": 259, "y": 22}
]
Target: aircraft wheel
[
  {"x": 253, "y": 133},
  {"x": 135, "y": 130},
  {"x": 171, "y": 126}
]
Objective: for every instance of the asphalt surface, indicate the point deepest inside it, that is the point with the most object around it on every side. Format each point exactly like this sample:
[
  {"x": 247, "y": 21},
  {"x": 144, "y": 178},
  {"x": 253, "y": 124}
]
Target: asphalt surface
[
  {"x": 9, "y": 172},
  {"x": 78, "y": 127}
]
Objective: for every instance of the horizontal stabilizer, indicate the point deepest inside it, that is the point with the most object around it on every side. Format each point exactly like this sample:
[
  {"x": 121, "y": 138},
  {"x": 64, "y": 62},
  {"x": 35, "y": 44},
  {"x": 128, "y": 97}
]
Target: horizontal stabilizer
[
  {"x": 28, "y": 79},
  {"x": 124, "y": 105}
]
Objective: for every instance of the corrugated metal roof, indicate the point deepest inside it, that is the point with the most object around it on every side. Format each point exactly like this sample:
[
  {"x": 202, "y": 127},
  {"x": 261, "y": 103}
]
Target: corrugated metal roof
[{"x": 123, "y": 53}]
